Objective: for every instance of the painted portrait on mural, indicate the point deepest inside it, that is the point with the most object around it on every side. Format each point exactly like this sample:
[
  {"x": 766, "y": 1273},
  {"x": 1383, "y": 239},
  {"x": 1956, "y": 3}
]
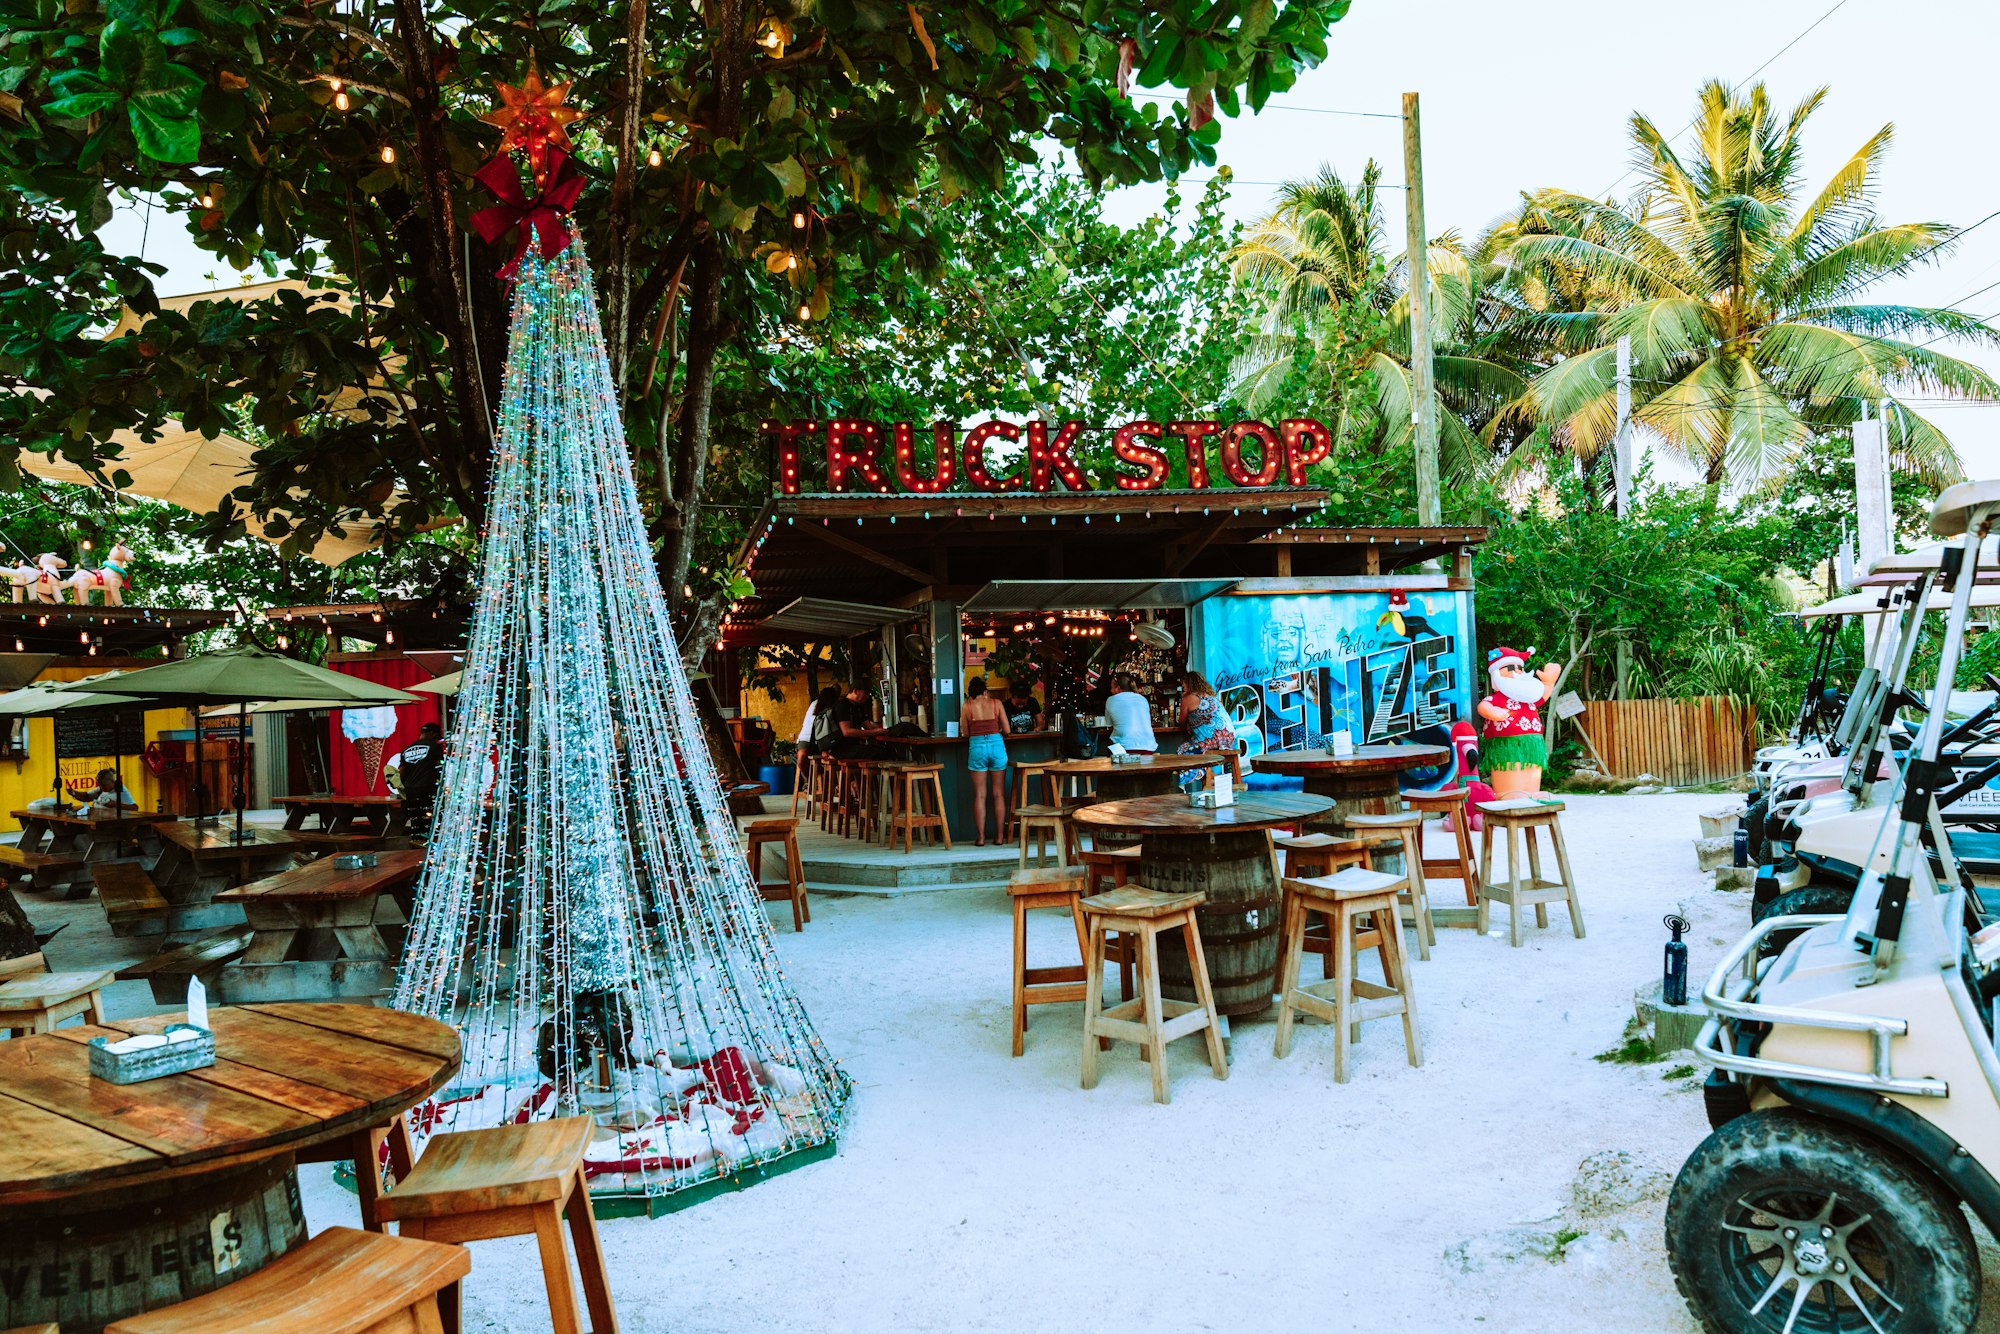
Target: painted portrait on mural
[{"x": 1292, "y": 670}]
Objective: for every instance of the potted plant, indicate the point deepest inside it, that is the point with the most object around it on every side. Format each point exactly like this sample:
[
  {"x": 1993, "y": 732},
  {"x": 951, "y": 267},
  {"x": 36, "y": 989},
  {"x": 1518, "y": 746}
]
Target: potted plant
[{"x": 780, "y": 771}]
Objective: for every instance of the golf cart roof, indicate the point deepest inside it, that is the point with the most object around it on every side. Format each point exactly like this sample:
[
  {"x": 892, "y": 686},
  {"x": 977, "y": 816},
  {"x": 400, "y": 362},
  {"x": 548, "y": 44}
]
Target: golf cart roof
[
  {"x": 1869, "y": 603},
  {"x": 1905, "y": 567},
  {"x": 1952, "y": 514}
]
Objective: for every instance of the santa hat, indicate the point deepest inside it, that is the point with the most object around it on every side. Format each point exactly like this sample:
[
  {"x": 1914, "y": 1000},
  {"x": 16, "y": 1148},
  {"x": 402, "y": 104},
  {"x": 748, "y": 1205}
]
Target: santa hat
[{"x": 1499, "y": 657}]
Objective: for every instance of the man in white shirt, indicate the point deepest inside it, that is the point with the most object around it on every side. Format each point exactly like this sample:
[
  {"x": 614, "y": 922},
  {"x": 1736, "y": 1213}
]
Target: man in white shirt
[
  {"x": 110, "y": 795},
  {"x": 1131, "y": 717}
]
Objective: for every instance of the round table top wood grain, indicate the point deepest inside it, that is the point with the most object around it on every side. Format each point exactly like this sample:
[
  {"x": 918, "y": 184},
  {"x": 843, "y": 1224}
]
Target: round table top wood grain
[
  {"x": 1364, "y": 760},
  {"x": 1172, "y": 814},
  {"x": 285, "y": 1076},
  {"x": 1102, "y": 764}
]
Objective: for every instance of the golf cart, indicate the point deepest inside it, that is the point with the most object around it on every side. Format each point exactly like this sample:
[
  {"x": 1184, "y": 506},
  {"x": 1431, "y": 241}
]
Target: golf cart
[{"x": 1855, "y": 1093}]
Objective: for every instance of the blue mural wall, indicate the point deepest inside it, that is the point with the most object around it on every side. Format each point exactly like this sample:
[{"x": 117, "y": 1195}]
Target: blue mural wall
[{"x": 1291, "y": 670}]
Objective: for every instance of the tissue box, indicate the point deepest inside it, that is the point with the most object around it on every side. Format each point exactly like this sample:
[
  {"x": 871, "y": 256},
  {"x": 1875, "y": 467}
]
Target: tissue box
[
  {"x": 354, "y": 861},
  {"x": 169, "y": 1058},
  {"x": 1127, "y": 757},
  {"x": 1208, "y": 799}
]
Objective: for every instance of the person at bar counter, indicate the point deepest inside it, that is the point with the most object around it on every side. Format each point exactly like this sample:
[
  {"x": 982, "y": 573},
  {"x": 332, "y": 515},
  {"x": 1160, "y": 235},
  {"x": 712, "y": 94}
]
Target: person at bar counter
[
  {"x": 984, "y": 722},
  {"x": 1207, "y": 726},
  {"x": 1024, "y": 711},
  {"x": 810, "y": 732},
  {"x": 1131, "y": 716},
  {"x": 110, "y": 795},
  {"x": 860, "y": 736}
]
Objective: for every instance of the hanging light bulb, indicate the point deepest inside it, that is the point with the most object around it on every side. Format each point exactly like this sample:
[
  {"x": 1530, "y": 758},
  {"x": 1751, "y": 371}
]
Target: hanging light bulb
[
  {"x": 208, "y": 200},
  {"x": 388, "y": 152},
  {"x": 340, "y": 102},
  {"x": 799, "y": 221},
  {"x": 653, "y": 158},
  {"x": 791, "y": 261},
  {"x": 805, "y": 312}
]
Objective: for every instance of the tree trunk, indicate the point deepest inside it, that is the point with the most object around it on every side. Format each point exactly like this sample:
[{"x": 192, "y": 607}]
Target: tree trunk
[
  {"x": 617, "y": 290},
  {"x": 706, "y": 330},
  {"x": 17, "y": 933},
  {"x": 443, "y": 269}
]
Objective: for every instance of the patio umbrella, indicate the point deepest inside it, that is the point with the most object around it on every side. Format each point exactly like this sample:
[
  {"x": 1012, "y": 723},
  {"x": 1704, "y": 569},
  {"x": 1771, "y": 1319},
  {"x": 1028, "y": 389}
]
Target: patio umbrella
[
  {"x": 441, "y": 685},
  {"x": 50, "y": 697},
  {"x": 242, "y": 677}
]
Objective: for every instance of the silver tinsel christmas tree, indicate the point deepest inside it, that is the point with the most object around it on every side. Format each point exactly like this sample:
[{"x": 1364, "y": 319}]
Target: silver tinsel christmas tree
[{"x": 586, "y": 917}]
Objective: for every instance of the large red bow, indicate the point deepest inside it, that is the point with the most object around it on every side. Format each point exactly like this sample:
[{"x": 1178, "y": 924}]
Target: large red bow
[{"x": 541, "y": 218}]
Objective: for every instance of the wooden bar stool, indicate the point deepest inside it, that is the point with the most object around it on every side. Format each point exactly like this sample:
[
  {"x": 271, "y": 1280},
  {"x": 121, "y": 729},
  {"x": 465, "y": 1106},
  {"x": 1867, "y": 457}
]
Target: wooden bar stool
[
  {"x": 802, "y": 783},
  {"x": 1308, "y": 855},
  {"x": 342, "y": 1281},
  {"x": 1044, "y": 887},
  {"x": 1149, "y": 1021},
  {"x": 792, "y": 889},
  {"x": 915, "y": 781},
  {"x": 1345, "y": 999},
  {"x": 1408, "y": 828},
  {"x": 1524, "y": 818},
  {"x": 1025, "y": 774},
  {"x": 364, "y": 1148},
  {"x": 1110, "y": 868},
  {"x": 826, "y": 794},
  {"x": 1462, "y": 866},
  {"x": 35, "y": 1000},
  {"x": 1047, "y": 823},
  {"x": 512, "y": 1181}
]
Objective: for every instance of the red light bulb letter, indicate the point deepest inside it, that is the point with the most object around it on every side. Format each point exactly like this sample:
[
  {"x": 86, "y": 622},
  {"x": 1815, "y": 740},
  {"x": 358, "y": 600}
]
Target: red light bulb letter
[
  {"x": 944, "y": 443},
  {"x": 975, "y": 455},
  {"x": 1126, "y": 444},
  {"x": 1194, "y": 433},
  {"x": 1048, "y": 457},
  {"x": 1269, "y": 457},
  {"x": 1306, "y": 443},
  {"x": 785, "y": 467}
]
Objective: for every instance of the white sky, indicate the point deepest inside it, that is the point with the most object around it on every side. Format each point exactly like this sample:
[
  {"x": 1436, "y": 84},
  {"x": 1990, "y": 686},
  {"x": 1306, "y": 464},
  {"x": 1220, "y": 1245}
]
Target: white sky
[{"x": 1539, "y": 93}]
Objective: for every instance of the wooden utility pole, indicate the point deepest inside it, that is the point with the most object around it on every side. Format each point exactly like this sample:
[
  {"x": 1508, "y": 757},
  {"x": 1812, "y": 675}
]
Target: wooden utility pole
[{"x": 1423, "y": 419}]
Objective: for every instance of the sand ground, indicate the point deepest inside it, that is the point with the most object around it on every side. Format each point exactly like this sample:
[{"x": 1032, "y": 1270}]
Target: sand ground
[{"x": 975, "y": 1191}]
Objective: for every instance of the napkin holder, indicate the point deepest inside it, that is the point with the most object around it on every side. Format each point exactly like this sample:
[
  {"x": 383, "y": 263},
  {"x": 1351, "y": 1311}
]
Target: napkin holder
[
  {"x": 168, "y": 1058},
  {"x": 1209, "y": 799},
  {"x": 355, "y": 861},
  {"x": 1120, "y": 755}
]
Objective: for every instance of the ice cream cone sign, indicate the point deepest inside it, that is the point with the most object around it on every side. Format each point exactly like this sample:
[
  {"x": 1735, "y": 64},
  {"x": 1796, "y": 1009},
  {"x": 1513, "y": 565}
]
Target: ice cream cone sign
[
  {"x": 369, "y": 730},
  {"x": 1512, "y": 749}
]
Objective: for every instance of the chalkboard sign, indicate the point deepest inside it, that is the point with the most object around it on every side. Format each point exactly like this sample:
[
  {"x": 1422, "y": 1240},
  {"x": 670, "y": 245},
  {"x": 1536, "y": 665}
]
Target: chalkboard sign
[{"x": 82, "y": 736}]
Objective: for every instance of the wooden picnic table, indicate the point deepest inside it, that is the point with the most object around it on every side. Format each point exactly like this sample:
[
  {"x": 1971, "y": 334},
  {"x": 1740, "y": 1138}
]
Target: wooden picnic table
[
  {"x": 89, "y": 838},
  {"x": 1224, "y": 853},
  {"x": 199, "y": 861},
  {"x": 383, "y": 815},
  {"x": 317, "y": 930},
  {"x": 117, "y": 1199}
]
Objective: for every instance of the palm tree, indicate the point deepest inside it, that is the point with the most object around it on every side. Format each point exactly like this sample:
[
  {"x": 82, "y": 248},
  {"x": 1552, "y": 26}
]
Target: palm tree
[
  {"x": 1738, "y": 298},
  {"x": 1322, "y": 246}
]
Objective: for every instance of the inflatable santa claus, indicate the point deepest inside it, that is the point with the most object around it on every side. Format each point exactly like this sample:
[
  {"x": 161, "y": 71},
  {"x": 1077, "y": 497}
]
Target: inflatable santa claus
[{"x": 1512, "y": 749}]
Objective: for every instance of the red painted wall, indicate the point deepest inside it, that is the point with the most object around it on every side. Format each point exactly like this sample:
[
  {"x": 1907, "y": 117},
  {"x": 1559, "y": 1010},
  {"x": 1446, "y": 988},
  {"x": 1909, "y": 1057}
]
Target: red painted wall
[{"x": 351, "y": 777}]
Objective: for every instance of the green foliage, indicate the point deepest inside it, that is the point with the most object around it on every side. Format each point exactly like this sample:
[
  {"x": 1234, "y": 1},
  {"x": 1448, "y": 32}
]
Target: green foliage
[
  {"x": 1635, "y": 1047},
  {"x": 873, "y": 124}
]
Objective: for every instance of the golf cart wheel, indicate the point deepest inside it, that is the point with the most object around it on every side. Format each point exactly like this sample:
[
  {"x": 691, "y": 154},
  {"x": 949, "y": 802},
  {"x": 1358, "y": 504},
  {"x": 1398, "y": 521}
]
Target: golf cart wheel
[
  {"x": 1784, "y": 1224},
  {"x": 1805, "y": 899}
]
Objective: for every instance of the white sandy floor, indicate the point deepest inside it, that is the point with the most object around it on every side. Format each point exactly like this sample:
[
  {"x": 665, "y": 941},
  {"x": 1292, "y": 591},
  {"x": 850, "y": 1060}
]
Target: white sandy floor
[{"x": 974, "y": 1191}]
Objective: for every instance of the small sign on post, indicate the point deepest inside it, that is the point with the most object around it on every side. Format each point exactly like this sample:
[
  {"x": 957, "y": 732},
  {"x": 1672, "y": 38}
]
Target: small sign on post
[{"x": 1568, "y": 705}]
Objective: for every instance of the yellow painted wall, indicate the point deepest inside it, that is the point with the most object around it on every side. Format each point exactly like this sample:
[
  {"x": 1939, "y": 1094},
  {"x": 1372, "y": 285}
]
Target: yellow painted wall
[{"x": 22, "y": 781}]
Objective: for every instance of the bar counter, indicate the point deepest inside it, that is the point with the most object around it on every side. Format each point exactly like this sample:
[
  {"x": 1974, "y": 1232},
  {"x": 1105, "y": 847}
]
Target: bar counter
[{"x": 1021, "y": 746}]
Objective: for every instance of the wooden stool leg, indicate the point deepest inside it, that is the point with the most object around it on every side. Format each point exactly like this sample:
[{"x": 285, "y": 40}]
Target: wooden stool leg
[
  {"x": 1533, "y": 834},
  {"x": 1292, "y": 935},
  {"x": 590, "y": 1267},
  {"x": 555, "y": 1270},
  {"x": 1020, "y": 976},
  {"x": 1461, "y": 836},
  {"x": 1093, "y": 1004},
  {"x": 1343, "y": 988},
  {"x": 1485, "y": 913},
  {"x": 96, "y": 998},
  {"x": 1420, "y": 897},
  {"x": 1569, "y": 881},
  {"x": 1514, "y": 879},
  {"x": 1396, "y": 971},
  {"x": 1205, "y": 997},
  {"x": 943, "y": 825},
  {"x": 1149, "y": 984},
  {"x": 801, "y": 906}
]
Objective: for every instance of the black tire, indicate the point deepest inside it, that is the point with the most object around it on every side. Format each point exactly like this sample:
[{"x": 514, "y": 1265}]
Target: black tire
[
  {"x": 1804, "y": 899},
  {"x": 1891, "y": 1233}
]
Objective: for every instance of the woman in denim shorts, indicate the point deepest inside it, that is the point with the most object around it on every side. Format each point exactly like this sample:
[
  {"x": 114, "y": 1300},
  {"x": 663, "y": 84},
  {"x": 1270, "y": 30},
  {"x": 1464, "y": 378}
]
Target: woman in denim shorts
[{"x": 984, "y": 722}]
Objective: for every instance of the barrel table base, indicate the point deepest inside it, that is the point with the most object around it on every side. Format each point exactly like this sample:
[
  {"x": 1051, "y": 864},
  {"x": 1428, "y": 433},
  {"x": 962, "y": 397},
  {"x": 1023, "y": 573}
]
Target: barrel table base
[
  {"x": 88, "y": 1260},
  {"x": 1238, "y": 924}
]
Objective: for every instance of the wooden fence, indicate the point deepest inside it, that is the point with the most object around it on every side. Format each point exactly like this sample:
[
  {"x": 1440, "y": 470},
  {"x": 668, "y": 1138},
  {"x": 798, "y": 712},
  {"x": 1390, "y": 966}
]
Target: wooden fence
[{"x": 1702, "y": 740}]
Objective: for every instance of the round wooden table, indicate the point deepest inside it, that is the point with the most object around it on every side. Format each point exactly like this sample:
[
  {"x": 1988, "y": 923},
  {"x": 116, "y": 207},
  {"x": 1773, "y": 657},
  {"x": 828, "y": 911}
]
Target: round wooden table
[
  {"x": 1226, "y": 854},
  {"x": 1155, "y": 776},
  {"x": 121, "y": 1198},
  {"x": 1366, "y": 782}
]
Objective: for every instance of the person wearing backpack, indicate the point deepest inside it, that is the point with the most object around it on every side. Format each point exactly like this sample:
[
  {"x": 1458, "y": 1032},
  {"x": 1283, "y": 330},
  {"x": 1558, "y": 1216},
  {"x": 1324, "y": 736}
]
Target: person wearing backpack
[{"x": 816, "y": 732}]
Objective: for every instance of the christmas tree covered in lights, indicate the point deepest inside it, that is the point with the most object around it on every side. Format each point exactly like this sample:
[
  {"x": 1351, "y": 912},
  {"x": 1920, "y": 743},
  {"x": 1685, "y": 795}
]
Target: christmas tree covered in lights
[{"x": 585, "y": 916}]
